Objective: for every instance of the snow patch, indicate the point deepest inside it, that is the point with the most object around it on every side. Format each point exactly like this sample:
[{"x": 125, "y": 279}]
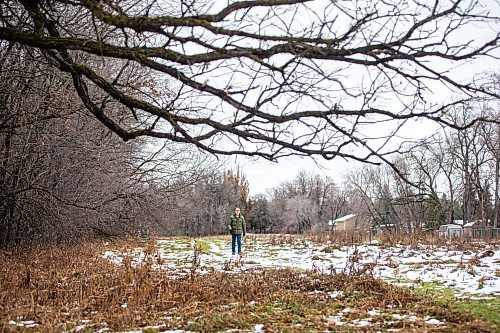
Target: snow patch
[
  {"x": 24, "y": 323},
  {"x": 466, "y": 271}
]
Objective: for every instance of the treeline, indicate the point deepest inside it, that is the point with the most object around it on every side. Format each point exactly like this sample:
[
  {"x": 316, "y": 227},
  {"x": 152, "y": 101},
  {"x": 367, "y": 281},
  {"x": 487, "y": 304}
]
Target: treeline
[
  {"x": 204, "y": 207},
  {"x": 453, "y": 175},
  {"x": 303, "y": 204},
  {"x": 65, "y": 177}
]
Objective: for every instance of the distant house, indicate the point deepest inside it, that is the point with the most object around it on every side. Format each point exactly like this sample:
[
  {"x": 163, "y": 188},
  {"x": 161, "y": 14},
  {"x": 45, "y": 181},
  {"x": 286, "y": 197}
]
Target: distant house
[{"x": 349, "y": 223}]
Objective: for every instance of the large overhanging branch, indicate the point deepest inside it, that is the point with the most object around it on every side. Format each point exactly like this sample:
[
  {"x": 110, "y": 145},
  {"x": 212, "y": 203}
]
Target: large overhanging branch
[{"x": 265, "y": 78}]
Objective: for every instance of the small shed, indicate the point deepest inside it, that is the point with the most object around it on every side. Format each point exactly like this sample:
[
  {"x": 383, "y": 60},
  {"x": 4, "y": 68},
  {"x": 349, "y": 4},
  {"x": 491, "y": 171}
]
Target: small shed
[{"x": 348, "y": 223}]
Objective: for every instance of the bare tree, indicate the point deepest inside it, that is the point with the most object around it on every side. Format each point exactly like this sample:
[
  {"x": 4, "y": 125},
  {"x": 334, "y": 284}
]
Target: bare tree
[
  {"x": 493, "y": 144},
  {"x": 375, "y": 185},
  {"x": 305, "y": 203},
  {"x": 63, "y": 177},
  {"x": 460, "y": 164},
  {"x": 204, "y": 206},
  {"x": 420, "y": 198},
  {"x": 470, "y": 160},
  {"x": 263, "y": 78},
  {"x": 443, "y": 153},
  {"x": 490, "y": 145}
]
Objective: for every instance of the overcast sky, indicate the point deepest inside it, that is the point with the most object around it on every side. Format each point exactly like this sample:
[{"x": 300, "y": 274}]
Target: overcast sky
[{"x": 264, "y": 175}]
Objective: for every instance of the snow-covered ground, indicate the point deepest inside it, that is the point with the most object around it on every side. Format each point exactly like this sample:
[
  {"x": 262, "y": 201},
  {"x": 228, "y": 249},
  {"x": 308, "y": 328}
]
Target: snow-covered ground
[{"x": 472, "y": 273}]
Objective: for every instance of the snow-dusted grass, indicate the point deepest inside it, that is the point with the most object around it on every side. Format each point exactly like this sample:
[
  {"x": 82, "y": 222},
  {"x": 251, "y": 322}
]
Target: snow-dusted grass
[
  {"x": 195, "y": 285},
  {"x": 474, "y": 272}
]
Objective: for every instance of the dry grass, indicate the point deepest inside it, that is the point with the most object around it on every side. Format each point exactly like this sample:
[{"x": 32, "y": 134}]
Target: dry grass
[
  {"x": 349, "y": 238},
  {"x": 58, "y": 287}
]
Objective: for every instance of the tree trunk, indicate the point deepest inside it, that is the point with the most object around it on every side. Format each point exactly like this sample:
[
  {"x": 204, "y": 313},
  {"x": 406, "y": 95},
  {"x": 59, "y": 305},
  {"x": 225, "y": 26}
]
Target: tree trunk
[{"x": 496, "y": 213}]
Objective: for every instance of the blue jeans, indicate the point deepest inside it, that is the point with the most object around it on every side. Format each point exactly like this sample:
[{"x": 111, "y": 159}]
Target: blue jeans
[{"x": 235, "y": 238}]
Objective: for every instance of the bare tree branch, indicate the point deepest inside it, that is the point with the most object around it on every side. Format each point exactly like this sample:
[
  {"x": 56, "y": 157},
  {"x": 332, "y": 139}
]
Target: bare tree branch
[{"x": 267, "y": 78}]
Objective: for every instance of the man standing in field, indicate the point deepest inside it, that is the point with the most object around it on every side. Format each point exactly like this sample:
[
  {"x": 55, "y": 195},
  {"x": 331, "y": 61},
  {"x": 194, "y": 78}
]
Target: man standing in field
[{"x": 237, "y": 228}]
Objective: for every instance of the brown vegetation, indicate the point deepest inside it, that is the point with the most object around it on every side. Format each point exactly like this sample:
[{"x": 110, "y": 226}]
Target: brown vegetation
[
  {"x": 431, "y": 239},
  {"x": 61, "y": 287}
]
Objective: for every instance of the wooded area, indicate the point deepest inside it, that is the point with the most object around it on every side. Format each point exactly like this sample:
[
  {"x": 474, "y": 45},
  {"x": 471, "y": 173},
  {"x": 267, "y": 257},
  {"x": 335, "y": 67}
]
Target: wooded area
[{"x": 114, "y": 114}]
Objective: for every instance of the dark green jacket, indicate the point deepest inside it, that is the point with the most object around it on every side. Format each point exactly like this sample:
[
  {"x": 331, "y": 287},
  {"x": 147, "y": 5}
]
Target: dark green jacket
[{"x": 237, "y": 225}]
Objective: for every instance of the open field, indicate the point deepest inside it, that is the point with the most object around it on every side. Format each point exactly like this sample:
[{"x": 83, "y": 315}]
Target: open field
[
  {"x": 280, "y": 283},
  {"x": 474, "y": 271}
]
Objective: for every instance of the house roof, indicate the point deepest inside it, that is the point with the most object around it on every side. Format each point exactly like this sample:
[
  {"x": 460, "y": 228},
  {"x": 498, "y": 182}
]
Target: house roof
[
  {"x": 474, "y": 223},
  {"x": 342, "y": 219}
]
